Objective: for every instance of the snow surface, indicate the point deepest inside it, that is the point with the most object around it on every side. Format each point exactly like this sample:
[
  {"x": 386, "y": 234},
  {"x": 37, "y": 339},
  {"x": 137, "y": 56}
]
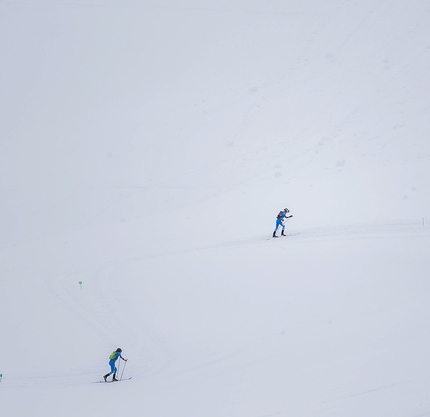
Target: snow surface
[{"x": 146, "y": 148}]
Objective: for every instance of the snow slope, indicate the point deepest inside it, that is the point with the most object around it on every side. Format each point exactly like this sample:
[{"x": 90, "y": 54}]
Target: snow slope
[{"x": 146, "y": 148}]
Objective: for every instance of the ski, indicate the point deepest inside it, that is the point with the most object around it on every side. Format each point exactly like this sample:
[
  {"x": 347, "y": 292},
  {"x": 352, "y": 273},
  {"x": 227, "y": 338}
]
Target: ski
[
  {"x": 277, "y": 237},
  {"x": 119, "y": 380}
]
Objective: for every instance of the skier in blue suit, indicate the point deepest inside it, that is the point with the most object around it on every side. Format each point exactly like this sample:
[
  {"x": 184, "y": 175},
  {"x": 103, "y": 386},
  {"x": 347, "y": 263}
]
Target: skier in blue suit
[
  {"x": 112, "y": 359},
  {"x": 280, "y": 218}
]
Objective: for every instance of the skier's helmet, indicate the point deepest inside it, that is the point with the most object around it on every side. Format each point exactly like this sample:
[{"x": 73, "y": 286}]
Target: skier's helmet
[
  {"x": 119, "y": 350},
  {"x": 286, "y": 210}
]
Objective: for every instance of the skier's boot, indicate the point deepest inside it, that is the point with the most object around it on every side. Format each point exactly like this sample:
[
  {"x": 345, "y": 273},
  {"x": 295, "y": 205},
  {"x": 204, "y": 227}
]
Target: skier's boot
[
  {"x": 105, "y": 377},
  {"x": 283, "y": 234},
  {"x": 274, "y": 234},
  {"x": 114, "y": 377}
]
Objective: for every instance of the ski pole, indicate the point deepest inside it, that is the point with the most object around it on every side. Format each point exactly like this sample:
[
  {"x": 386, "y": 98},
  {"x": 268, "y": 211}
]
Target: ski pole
[
  {"x": 123, "y": 370},
  {"x": 119, "y": 366}
]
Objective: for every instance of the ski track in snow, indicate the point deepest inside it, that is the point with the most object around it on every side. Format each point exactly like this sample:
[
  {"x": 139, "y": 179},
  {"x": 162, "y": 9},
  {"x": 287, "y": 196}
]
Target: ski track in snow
[{"x": 358, "y": 231}]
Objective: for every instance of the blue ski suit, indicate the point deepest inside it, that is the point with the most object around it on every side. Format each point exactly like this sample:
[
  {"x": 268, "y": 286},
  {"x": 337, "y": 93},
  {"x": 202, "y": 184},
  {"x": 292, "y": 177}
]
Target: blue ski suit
[
  {"x": 282, "y": 215},
  {"x": 279, "y": 220},
  {"x": 113, "y": 357}
]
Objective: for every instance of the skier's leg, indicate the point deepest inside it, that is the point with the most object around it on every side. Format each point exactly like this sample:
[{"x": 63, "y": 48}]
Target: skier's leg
[
  {"x": 278, "y": 223},
  {"x": 112, "y": 367},
  {"x": 114, "y": 373}
]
